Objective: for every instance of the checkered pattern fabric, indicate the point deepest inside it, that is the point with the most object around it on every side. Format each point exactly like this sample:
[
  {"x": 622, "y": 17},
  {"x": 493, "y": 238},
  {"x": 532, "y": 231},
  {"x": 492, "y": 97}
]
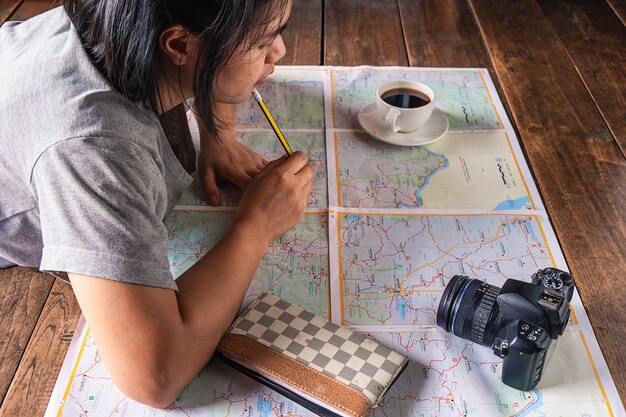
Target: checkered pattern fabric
[{"x": 351, "y": 358}]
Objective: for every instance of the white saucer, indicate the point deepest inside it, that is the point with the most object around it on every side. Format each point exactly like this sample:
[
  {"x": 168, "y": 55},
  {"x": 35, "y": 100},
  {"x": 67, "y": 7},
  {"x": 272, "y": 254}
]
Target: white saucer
[{"x": 434, "y": 129}]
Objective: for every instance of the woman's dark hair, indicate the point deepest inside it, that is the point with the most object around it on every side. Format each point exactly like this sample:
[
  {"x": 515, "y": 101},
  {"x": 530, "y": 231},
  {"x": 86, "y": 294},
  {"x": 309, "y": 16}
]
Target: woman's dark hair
[{"x": 122, "y": 39}]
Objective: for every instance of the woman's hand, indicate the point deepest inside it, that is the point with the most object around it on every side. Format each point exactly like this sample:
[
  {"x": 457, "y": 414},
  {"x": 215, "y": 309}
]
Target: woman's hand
[
  {"x": 225, "y": 158},
  {"x": 276, "y": 198}
]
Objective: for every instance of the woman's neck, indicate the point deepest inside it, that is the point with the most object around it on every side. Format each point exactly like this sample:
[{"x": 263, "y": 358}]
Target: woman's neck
[
  {"x": 167, "y": 98},
  {"x": 174, "y": 86}
]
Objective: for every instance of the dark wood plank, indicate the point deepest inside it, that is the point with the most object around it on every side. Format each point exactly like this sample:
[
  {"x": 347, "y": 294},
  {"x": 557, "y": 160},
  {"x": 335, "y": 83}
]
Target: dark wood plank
[
  {"x": 619, "y": 8},
  {"x": 34, "y": 380},
  {"x": 442, "y": 34},
  {"x": 363, "y": 32},
  {"x": 23, "y": 292},
  {"x": 579, "y": 167},
  {"x": 7, "y": 7},
  {"x": 595, "y": 40},
  {"x": 30, "y": 8},
  {"x": 303, "y": 36}
]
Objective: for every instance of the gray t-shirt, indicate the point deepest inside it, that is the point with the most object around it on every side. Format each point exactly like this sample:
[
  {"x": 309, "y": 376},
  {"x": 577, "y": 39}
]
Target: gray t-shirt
[{"x": 86, "y": 176}]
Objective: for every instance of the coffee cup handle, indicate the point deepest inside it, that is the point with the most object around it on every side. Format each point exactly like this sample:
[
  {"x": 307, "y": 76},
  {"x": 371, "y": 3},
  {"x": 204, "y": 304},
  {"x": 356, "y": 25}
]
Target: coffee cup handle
[{"x": 390, "y": 120}]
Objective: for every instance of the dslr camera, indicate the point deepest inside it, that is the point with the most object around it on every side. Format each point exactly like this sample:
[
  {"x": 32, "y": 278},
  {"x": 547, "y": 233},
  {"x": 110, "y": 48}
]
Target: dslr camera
[{"x": 518, "y": 321}]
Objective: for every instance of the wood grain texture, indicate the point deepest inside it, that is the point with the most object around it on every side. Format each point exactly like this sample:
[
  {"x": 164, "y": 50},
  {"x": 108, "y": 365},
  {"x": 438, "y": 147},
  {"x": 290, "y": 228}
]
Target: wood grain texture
[
  {"x": 595, "y": 41},
  {"x": 619, "y": 8},
  {"x": 366, "y": 32},
  {"x": 303, "y": 36},
  {"x": 442, "y": 34},
  {"x": 30, "y": 8},
  {"x": 579, "y": 167},
  {"x": 7, "y": 7},
  {"x": 23, "y": 292},
  {"x": 34, "y": 380}
]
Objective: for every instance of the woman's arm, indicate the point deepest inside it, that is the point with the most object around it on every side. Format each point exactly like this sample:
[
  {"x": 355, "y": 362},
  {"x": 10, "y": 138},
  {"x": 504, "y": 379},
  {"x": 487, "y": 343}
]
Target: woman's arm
[{"x": 154, "y": 341}]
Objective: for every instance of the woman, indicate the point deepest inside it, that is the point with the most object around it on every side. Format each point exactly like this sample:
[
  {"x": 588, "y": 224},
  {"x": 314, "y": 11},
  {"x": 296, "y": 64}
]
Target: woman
[{"x": 87, "y": 174}]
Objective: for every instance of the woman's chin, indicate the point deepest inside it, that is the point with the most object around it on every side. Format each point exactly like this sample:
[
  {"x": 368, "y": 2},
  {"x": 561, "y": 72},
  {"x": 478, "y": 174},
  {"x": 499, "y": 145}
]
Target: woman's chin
[{"x": 234, "y": 99}]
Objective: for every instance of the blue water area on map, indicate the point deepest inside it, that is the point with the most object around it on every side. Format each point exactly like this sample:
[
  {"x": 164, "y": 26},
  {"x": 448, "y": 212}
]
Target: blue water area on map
[
  {"x": 417, "y": 193},
  {"x": 252, "y": 118},
  {"x": 265, "y": 407},
  {"x": 353, "y": 217},
  {"x": 402, "y": 308},
  {"x": 518, "y": 204}
]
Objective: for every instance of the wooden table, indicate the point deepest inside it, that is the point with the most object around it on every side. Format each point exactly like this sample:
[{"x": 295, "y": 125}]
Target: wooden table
[{"x": 557, "y": 66}]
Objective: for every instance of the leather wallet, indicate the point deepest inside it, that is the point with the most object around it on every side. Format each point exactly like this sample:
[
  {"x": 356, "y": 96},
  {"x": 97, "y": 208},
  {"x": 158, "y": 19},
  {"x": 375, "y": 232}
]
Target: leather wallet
[{"x": 322, "y": 366}]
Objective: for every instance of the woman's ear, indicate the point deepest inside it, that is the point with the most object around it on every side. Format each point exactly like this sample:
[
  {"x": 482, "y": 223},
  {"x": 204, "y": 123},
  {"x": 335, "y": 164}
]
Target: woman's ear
[{"x": 177, "y": 44}]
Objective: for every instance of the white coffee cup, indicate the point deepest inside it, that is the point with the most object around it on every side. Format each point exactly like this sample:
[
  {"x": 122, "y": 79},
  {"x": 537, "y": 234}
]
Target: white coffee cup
[{"x": 404, "y": 105}]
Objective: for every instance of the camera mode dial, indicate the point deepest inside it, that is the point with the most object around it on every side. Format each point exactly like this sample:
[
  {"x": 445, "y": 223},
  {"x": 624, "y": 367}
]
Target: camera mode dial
[
  {"x": 554, "y": 282},
  {"x": 553, "y": 279}
]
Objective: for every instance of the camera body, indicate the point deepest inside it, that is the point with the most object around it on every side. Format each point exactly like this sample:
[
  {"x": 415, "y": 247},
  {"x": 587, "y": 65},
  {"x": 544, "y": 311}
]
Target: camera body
[{"x": 518, "y": 321}]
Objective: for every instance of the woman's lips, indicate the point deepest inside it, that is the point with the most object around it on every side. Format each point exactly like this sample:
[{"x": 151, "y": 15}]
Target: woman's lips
[{"x": 263, "y": 79}]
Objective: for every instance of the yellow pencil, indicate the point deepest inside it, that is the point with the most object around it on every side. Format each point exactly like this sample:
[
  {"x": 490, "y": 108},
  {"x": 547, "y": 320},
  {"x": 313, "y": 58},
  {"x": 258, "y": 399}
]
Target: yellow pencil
[{"x": 270, "y": 119}]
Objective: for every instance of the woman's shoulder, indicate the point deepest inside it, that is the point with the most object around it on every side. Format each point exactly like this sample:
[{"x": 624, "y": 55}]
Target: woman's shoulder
[
  {"x": 39, "y": 36},
  {"x": 52, "y": 86}
]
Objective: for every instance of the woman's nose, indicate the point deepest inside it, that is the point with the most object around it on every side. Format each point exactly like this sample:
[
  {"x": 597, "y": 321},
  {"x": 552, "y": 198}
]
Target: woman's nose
[{"x": 277, "y": 51}]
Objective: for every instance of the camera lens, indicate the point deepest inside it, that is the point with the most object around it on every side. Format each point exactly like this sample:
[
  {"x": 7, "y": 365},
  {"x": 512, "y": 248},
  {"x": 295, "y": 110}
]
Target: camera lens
[{"x": 467, "y": 308}]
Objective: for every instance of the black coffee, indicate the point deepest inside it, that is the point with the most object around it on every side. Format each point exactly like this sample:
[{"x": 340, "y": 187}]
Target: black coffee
[{"x": 406, "y": 98}]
